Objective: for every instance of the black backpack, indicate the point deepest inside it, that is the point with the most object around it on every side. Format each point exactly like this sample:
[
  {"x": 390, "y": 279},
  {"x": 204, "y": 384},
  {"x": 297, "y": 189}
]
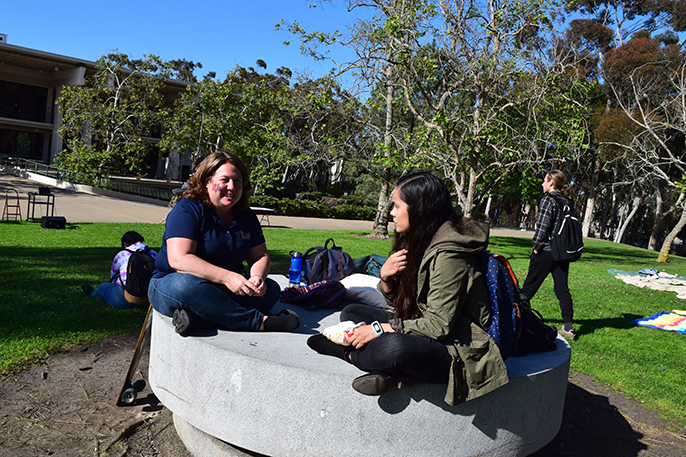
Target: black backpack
[
  {"x": 139, "y": 271},
  {"x": 536, "y": 335},
  {"x": 566, "y": 239}
]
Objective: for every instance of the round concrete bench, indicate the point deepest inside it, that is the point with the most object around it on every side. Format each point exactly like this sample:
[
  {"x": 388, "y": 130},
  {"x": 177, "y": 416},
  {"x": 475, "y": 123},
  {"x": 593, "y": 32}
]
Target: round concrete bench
[{"x": 248, "y": 393}]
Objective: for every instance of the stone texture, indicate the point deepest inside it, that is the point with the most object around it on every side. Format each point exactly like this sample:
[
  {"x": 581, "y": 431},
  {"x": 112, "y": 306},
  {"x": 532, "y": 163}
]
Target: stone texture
[{"x": 270, "y": 394}]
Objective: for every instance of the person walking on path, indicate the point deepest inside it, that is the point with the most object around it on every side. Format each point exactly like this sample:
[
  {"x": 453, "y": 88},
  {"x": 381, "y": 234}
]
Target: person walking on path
[
  {"x": 112, "y": 293},
  {"x": 541, "y": 263}
]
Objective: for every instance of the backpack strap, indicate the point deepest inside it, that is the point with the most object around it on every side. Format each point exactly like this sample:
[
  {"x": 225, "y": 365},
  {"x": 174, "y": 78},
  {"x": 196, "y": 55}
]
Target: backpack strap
[{"x": 118, "y": 273}]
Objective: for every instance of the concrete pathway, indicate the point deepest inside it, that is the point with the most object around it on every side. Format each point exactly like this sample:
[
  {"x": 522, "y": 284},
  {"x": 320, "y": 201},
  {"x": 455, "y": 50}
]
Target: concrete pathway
[{"x": 84, "y": 205}]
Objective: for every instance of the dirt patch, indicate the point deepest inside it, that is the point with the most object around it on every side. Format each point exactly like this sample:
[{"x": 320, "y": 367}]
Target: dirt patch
[{"x": 66, "y": 407}]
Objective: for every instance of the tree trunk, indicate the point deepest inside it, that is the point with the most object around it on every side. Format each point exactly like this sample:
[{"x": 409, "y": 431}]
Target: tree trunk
[
  {"x": 488, "y": 208},
  {"x": 659, "y": 214},
  {"x": 590, "y": 202},
  {"x": 667, "y": 243},
  {"x": 622, "y": 228},
  {"x": 383, "y": 210},
  {"x": 380, "y": 229}
]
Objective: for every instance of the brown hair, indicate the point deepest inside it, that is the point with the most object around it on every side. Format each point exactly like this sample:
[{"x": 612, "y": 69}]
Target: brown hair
[
  {"x": 207, "y": 168},
  {"x": 559, "y": 182}
]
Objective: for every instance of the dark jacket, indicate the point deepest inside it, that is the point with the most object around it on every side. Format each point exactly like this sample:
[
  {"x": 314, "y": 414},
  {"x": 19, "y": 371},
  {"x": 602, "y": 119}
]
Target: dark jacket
[
  {"x": 454, "y": 308},
  {"x": 546, "y": 216}
]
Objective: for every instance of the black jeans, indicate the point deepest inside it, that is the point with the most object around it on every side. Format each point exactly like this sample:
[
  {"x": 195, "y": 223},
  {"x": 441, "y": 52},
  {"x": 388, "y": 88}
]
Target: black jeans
[
  {"x": 540, "y": 266},
  {"x": 425, "y": 359}
]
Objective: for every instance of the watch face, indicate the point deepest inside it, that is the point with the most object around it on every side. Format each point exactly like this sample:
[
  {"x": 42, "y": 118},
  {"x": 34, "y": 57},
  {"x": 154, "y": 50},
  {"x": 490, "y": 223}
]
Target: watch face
[{"x": 377, "y": 328}]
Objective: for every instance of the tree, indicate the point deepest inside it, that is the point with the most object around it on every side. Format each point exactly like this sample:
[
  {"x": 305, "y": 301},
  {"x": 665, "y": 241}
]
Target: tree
[
  {"x": 605, "y": 27},
  {"x": 472, "y": 76},
  {"x": 235, "y": 114},
  {"x": 372, "y": 72},
  {"x": 651, "y": 91},
  {"x": 109, "y": 123},
  {"x": 300, "y": 134}
]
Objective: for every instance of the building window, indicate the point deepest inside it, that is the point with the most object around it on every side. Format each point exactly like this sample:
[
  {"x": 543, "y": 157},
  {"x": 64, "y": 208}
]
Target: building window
[
  {"x": 28, "y": 145},
  {"x": 21, "y": 101}
]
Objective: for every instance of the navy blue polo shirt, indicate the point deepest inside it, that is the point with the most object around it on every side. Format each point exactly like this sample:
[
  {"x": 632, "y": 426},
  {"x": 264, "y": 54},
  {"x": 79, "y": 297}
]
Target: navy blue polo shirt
[{"x": 221, "y": 246}]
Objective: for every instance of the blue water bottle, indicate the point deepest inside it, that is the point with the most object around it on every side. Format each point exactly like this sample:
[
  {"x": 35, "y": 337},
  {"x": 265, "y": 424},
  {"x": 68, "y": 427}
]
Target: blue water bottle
[{"x": 296, "y": 269}]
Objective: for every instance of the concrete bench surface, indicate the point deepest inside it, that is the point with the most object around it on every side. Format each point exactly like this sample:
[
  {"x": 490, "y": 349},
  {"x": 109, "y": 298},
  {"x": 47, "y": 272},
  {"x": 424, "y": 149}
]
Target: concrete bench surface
[{"x": 270, "y": 394}]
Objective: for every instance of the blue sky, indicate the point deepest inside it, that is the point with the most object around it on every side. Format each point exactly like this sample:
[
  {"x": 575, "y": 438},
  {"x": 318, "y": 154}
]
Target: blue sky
[{"x": 219, "y": 34}]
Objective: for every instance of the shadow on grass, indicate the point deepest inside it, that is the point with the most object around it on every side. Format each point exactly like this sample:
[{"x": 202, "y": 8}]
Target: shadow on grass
[{"x": 589, "y": 326}]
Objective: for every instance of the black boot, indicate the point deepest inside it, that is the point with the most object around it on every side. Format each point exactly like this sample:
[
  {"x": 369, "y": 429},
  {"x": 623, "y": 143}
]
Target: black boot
[
  {"x": 323, "y": 345},
  {"x": 372, "y": 384},
  {"x": 285, "y": 321},
  {"x": 183, "y": 321}
]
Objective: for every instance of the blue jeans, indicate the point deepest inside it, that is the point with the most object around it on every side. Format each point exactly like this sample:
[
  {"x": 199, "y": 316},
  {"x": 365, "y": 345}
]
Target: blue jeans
[
  {"x": 426, "y": 359},
  {"x": 210, "y": 301},
  {"x": 113, "y": 294}
]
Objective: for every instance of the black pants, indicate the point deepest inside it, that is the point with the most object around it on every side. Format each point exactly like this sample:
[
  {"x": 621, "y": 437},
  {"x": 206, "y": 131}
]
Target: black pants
[
  {"x": 540, "y": 266},
  {"x": 425, "y": 359}
]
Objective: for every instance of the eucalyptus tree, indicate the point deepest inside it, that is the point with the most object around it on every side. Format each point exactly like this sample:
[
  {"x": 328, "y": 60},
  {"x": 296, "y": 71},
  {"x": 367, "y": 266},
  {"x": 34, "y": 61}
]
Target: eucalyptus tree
[
  {"x": 107, "y": 123},
  {"x": 651, "y": 91},
  {"x": 373, "y": 76},
  {"x": 603, "y": 33},
  {"x": 476, "y": 78},
  {"x": 322, "y": 129}
]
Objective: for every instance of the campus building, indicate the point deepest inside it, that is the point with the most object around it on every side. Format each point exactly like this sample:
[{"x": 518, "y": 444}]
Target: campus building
[{"x": 30, "y": 83}]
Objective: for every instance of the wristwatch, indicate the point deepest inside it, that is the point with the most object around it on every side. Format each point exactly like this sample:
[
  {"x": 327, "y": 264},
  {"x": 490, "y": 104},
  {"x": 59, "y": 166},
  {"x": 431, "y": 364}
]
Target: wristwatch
[{"x": 377, "y": 328}]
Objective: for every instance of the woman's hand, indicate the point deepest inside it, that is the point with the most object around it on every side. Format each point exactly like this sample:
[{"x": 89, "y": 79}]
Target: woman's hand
[
  {"x": 395, "y": 264},
  {"x": 239, "y": 285},
  {"x": 365, "y": 333},
  {"x": 259, "y": 283}
]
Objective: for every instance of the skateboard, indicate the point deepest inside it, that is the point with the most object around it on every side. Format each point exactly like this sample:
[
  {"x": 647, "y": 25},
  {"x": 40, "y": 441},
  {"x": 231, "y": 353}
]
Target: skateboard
[{"x": 129, "y": 392}]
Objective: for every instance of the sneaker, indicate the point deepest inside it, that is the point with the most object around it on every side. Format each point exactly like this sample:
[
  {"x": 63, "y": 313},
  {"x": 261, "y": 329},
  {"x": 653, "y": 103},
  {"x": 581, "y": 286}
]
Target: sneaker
[
  {"x": 374, "y": 384},
  {"x": 87, "y": 289},
  {"x": 570, "y": 335}
]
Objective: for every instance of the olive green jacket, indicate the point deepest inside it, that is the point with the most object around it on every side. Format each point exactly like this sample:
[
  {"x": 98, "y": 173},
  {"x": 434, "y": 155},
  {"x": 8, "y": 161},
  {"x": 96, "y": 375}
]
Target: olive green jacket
[{"x": 454, "y": 308}]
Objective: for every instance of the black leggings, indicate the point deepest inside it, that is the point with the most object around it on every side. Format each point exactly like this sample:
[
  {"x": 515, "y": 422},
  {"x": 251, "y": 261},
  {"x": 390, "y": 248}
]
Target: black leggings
[
  {"x": 540, "y": 266},
  {"x": 425, "y": 359}
]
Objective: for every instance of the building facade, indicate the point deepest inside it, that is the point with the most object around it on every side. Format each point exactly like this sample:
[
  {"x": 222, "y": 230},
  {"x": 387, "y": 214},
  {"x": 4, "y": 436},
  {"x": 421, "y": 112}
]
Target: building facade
[{"x": 30, "y": 83}]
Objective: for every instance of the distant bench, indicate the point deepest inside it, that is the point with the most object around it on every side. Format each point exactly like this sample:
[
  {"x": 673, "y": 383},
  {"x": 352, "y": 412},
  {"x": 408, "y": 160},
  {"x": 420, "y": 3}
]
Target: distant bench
[
  {"x": 263, "y": 213},
  {"x": 268, "y": 393}
]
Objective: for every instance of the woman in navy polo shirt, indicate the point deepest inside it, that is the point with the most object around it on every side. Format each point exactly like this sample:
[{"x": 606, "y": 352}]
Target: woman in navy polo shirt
[{"x": 199, "y": 274}]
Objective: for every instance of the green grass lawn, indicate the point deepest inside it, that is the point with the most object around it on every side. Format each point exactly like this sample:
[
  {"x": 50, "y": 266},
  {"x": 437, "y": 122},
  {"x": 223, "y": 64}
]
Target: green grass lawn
[{"x": 42, "y": 308}]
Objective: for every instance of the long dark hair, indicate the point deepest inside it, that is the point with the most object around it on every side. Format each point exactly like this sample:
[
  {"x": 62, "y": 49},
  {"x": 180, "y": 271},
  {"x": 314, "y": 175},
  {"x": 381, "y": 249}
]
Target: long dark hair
[
  {"x": 429, "y": 206},
  {"x": 207, "y": 168}
]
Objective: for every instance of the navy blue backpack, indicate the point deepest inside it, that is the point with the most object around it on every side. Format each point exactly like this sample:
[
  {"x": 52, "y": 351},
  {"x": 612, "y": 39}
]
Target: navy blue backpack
[{"x": 505, "y": 302}]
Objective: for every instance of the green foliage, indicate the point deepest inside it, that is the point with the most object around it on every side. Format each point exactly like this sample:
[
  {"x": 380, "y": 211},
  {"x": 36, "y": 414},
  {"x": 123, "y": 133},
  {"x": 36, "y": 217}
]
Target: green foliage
[
  {"x": 238, "y": 114},
  {"x": 314, "y": 208},
  {"x": 298, "y": 132},
  {"x": 107, "y": 120}
]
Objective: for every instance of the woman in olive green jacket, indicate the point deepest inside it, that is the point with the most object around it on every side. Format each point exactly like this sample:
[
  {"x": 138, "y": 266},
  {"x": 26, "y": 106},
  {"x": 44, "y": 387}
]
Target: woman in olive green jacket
[{"x": 436, "y": 332}]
